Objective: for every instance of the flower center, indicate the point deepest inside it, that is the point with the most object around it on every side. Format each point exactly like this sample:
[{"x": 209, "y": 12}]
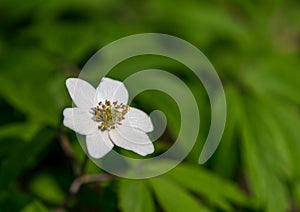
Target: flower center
[{"x": 109, "y": 115}]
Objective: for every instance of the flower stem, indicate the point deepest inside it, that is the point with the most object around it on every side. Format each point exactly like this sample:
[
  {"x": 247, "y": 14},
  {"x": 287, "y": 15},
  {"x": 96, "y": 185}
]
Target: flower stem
[
  {"x": 78, "y": 182},
  {"x": 67, "y": 148},
  {"x": 78, "y": 170}
]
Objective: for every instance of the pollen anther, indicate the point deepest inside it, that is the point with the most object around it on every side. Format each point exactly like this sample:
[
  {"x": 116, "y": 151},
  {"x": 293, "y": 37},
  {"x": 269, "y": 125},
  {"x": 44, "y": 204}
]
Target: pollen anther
[{"x": 109, "y": 115}]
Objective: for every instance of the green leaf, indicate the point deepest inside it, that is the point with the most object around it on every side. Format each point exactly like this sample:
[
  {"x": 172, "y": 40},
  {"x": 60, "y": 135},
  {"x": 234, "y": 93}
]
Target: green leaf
[
  {"x": 216, "y": 190},
  {"x": 287, "y": 118},
  {"x": 277, "y": 195},
  {"x": 47, "y": 188},
  {"x": 32, "y": 95},
  {"x": 255, "y": 171},
  {"x": 25, "y": 97},
  {"x": 24, "y": 156},
  {"x": 261, "y": 159},
  {"x": 135, "y": 196},
  {"x": 296, "y": 192},
  {"x": 173, "y": 198},
  {"x": 226, "y": 157},
  {"x": 35, "y": 206},
  {"x": 25, "y": 131},
  {"x": 13, "y": 200}
]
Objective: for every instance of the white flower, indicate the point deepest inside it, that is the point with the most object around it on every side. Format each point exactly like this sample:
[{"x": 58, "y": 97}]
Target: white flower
[{"x": 103, "y": 116}]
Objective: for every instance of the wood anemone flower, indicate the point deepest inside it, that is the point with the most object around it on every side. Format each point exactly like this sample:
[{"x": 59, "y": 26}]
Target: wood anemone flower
[{"x": 103, "y": 116}]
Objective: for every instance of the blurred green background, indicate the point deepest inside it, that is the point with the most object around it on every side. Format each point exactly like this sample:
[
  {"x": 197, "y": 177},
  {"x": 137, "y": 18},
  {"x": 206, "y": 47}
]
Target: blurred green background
[{"x": 255, "y": 48}]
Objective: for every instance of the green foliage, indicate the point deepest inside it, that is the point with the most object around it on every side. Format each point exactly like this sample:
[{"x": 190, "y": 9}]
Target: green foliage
[
  {"x": 172, "y": 197},
  {"x": 255, "y": 50},
  {"x": 215, "y": 190},
  {"x": 23, "y": 156},
  {"x": 142, "y": 200},
  {"x": 53, "y": 193}
]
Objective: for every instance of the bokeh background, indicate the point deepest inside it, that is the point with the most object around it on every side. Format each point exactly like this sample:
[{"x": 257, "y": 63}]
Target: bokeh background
[{"x": 255, "y": 48}]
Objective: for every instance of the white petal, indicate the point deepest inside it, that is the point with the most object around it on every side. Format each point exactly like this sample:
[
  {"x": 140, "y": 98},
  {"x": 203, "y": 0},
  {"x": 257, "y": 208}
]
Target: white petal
[
  {"x": 98, "y": 144},
  {"x": 79, "y": 120},
  {"x": 142, "y": 149},
  {"x": 112, "y": 90},
  {"x": 138, "y": 119},
  {"x": 81, "y": 92},
  {"x": 133, "y": 135}
]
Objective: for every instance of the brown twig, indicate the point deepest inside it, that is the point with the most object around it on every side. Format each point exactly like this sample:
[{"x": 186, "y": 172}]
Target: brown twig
[
  {"x": 85, "y": 179},
  {"x": 78, "y": 182},
  {"x": 78, "y": 170},
  {"x": 67, "y": 148}
]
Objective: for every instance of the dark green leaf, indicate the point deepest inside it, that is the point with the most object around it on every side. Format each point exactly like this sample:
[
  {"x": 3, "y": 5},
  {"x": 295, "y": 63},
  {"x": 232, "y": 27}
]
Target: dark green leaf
[{"x": 23, "y": 156}]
